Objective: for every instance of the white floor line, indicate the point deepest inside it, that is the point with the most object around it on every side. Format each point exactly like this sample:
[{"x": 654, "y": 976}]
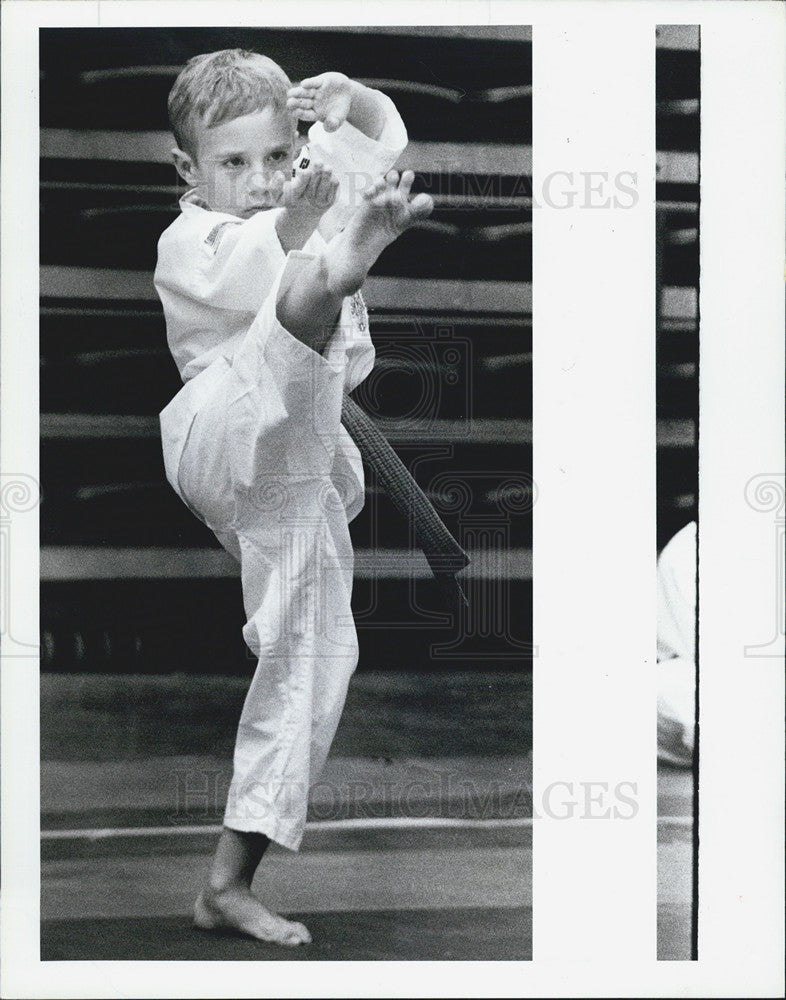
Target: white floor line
[{"x": 361, "y": 823}]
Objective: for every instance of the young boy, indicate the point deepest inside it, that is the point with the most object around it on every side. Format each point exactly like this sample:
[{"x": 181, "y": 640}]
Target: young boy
[{"x": 260, "y": 288}]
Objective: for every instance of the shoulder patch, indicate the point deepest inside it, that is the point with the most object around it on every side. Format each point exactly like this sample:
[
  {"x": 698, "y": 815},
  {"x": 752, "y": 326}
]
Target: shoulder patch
[{"x": 213, "y": 238}]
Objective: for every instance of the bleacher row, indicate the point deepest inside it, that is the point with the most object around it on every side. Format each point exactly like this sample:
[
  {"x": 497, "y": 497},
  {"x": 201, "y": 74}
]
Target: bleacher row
[
  {"x": 130, "y": 580},
  {"x": 677, "y": 92}
]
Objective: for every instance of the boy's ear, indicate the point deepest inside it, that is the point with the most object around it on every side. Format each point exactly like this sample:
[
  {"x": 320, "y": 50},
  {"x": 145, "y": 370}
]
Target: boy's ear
[{"x": 184, "y": 164}]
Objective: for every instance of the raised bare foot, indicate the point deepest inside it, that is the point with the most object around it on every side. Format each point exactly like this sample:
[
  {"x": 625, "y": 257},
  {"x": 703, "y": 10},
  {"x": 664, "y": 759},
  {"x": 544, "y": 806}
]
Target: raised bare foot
[
  {"x": 385, "y": 212},
  {"x": 238, "y": 909}
]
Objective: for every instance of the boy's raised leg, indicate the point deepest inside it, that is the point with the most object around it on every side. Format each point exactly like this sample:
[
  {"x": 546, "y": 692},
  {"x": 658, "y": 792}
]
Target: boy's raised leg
[
  {"x": 227, "y": 900},
  {"x": 386, "y": 211}
]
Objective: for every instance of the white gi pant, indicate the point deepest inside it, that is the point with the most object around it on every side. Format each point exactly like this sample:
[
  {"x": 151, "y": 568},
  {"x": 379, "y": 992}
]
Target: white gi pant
[
  {"x": 255, "y": 447},
  {"x": 676, "y": 647}
]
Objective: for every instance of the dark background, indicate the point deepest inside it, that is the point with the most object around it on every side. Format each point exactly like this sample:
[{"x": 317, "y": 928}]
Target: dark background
[{"x": 443, "y": 367}]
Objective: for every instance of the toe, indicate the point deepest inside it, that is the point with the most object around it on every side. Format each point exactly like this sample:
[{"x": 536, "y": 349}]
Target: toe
[
  {"x": 407, "y": 180},
  {"x": 421, "y": 206},
  {"x": 374, "y": 189},
  {"x": 294, "y": 934},
  {"x": 304, "y": 933}
]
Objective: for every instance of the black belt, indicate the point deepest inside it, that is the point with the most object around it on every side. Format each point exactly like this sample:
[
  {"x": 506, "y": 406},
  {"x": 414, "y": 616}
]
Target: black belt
[{"x": 444, "y": 554}]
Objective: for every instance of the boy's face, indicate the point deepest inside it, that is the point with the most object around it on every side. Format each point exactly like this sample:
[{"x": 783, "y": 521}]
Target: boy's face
[{"x": 236, "y": 161}]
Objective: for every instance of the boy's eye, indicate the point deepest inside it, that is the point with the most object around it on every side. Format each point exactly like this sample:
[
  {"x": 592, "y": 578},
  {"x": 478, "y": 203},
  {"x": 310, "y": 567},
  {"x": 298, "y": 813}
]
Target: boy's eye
[
  {"x": 278, "y": 156},
  {"x": 234, "y": 161}
]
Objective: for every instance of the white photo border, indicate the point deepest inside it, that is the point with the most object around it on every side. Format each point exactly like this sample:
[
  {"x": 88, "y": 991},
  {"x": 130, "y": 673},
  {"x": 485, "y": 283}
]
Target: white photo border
[{"x": 595, "y": 886}]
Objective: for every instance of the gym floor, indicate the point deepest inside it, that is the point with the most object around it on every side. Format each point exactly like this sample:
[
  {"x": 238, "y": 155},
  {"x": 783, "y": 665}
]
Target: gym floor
[{"x": 419, "y": 844}]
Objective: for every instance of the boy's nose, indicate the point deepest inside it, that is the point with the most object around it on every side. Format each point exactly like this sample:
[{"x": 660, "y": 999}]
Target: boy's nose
[
  {"x": 257, "y": 183},
  {"x": 260, "y": 181},
  {"x": 266, "y": 188}
]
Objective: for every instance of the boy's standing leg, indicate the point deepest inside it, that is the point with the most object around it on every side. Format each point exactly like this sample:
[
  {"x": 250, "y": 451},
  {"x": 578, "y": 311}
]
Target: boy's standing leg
[
  {"x": 228, "y": 901},
  {"x": 308, "y": 303}
]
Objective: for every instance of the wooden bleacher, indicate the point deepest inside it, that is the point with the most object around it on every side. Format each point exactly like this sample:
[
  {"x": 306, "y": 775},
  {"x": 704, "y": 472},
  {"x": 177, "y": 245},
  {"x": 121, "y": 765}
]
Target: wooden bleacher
[
  {"x": 130, "y": 580},
  {"x": 677, "y": 91}
]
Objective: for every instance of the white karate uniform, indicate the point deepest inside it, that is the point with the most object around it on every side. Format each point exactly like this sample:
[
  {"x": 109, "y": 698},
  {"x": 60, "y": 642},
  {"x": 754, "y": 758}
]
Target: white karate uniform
[
  {"x": 253, "y": 444},
  {"x": 676, "y": 647}
]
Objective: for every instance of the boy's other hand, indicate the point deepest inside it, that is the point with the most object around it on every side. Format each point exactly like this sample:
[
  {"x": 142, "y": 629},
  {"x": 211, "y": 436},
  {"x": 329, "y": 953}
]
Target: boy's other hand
[
  {"x": 313, "y": 190},
  {"x": 326, "y": 98}
]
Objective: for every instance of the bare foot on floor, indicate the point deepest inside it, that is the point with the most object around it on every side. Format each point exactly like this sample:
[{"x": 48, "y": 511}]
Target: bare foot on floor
[
  {"x": 238, "y": 909},
  {"x": 384, "y": 214}
]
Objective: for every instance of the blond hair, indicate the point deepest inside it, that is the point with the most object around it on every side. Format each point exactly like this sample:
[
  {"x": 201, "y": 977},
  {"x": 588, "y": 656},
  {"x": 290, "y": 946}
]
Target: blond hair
[{"x": 219, "y": 86}]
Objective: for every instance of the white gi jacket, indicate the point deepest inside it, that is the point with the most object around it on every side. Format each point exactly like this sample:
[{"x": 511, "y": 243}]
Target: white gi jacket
[
  {"x": 253, "y": 444},
  {"x": 677, "y": 647}
]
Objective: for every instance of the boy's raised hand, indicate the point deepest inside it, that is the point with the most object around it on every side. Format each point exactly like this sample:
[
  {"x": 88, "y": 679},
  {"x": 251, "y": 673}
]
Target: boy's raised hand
[
  {"x": 312, "y": 189},
  {"x": 326, "y": 98}
]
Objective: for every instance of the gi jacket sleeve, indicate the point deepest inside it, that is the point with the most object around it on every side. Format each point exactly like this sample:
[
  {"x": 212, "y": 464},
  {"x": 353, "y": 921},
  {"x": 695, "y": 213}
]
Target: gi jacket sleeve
[{"x": 356, "y": 159}]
